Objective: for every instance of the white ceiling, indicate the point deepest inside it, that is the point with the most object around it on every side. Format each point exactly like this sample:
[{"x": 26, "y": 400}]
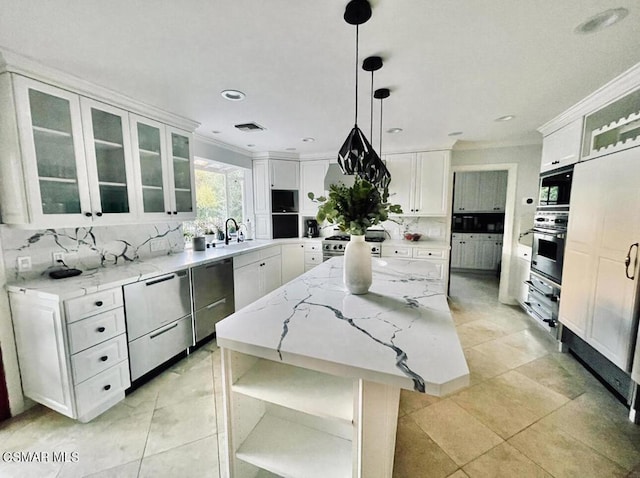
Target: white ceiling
[{"x": 452, "y": 65}]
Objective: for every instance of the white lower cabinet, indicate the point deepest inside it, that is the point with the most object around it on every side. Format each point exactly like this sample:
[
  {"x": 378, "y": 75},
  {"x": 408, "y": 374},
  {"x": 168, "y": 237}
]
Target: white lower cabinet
[
  {"x": 80, "y": 365},
  {"x": 312, "y": 254},
  {"x": 292, "y": 261},
  {"x": 277, "y": 422},
  {"x": 256, "y": 274},
  {"x": 476, "y": 251},
  {"x": 436, "y": 256}
]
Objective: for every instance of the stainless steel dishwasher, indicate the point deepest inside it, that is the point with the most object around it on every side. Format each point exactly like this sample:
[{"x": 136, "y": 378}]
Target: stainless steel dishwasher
[
  {"x": 158, "y": 317},
  {"x": 213, "y": 297}
]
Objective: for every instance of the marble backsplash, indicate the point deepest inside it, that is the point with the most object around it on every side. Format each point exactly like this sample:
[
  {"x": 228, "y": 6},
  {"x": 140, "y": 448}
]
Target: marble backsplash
[{"x": 86, "y": 248}]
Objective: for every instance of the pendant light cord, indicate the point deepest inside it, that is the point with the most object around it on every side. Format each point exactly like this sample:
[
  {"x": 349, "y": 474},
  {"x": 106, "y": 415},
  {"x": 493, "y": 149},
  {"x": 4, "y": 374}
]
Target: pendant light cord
[
  {"x": 371, "y": 113},
  {"x": 356, "y": 122},
  {"x": 380, "y": 127}
]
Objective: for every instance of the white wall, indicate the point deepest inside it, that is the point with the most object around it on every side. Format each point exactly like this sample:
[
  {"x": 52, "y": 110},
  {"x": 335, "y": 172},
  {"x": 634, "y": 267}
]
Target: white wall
[{"x": 527, "y": 159}]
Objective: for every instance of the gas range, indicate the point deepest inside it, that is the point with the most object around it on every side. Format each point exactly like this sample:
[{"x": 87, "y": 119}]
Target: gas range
[{"x": 334, "y": 245}]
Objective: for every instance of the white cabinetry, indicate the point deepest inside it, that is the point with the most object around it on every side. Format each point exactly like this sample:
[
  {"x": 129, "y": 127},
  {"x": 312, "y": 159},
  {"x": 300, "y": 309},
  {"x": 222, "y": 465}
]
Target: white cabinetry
[
  {"x": 312, "y": 175},
  {"x": 599, "y": 291},
  {"x": 480, "y": 191},
  {"x": 562, "y": 147},
  {"x": 419, "y": 182},
  {"x": 476, "y": 251},
  {"x": 80, "y": 366},
  {"x": 292, "y": 261},
  {"x": 68, "y": 160},
  {"x": 255, "y": 274},
  {"x": 435, "y": 255},
  {"x": 284, "y": 174}
]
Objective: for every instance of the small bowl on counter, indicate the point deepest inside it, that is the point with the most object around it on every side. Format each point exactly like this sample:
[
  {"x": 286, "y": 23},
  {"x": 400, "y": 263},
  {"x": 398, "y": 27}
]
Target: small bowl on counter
[{"x": 409, "y": 236}]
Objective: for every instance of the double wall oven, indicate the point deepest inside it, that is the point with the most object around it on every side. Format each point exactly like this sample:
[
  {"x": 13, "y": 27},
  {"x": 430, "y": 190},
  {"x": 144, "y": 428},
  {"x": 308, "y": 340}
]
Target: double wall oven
[{"x": 547, "y": 254}]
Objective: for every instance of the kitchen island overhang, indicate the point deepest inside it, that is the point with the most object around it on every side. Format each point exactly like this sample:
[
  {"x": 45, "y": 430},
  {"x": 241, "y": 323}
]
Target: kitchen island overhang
[{"x": 312, "y": 374}]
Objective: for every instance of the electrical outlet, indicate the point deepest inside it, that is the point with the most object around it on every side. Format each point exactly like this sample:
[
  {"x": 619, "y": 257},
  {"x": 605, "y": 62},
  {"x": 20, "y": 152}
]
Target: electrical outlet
[
  {"x": 58, "y": 258},
  {"x": 24, "y": 263}
]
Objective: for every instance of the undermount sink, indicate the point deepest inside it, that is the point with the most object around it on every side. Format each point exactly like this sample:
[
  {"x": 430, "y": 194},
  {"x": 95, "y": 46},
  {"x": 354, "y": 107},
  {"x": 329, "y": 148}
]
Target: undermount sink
[{"x": 236, "y": 245}]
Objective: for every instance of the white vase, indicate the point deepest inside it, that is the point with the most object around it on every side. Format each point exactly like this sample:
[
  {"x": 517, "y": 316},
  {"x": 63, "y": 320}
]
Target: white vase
[{"x": 357, "y": 265}]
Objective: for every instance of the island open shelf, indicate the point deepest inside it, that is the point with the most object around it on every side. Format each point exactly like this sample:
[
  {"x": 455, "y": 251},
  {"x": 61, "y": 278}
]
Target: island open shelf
[{"x": 312, "y": 375}]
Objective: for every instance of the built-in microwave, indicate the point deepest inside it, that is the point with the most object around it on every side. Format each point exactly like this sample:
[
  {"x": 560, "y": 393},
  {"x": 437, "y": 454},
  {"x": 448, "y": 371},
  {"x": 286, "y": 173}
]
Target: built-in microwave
[{"x": 555, "y": 188}]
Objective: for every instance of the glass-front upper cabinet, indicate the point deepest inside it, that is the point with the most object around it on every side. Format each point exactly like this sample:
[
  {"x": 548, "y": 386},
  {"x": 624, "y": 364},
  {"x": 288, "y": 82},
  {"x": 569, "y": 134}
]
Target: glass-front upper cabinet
[
  {"x": 183, "y": 174},
  {"x": 151, "y": 167},
  {"x": 109, "y": 161},
  {"x": 50, "y": 129}
]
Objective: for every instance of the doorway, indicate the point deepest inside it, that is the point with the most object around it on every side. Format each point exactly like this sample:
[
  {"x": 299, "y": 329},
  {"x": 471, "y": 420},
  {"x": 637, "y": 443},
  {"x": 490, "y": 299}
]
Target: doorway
[
  {"x": 482, "y": 223},
  {"x": 5, "y": 411}
]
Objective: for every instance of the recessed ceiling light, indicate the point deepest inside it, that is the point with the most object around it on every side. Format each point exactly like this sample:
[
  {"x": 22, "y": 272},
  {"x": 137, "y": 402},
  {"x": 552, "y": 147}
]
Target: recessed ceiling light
[
  {"x": 251, "y": 145},
  {"x": 505, "y": 118},
  {"x": 233, "y": 95},
  {"x": 215, "y": 131},
  {"x": 394, "y": 130},
  {"x": 308, "y": 139},
  {"x": 601, "y": 21},
  {"x": 455, "y": 133},
  {"x": 290, "y": 149}
]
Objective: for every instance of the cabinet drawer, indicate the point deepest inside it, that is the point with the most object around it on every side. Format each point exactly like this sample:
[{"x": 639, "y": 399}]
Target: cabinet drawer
[
  {"x": 312, "y": 247},
  {"x": 92, "y": 361},
  {"x": 419, "y": 253},
  {"x": 207, "y": 317},
  {"x": 102, "y": 388},
  {"x": 94, "y": 330},
  {"x": 92, "y": 304},
  {"x": 396, "y": 251},
  {"x": 155, "y": 348},
  {"x": 312, "y": 258},
  {"x": 255, "y": 256}
]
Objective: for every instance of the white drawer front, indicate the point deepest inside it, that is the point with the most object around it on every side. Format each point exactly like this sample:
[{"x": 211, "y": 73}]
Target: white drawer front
[
  {"x": 396, "y": 251},
  {"x": 313, "y": 247},
  {"x": 102, "y": 388},
  {"x": 92, "y": 361},
  {"x": 420, "y": 253},
  {"x": 312, "y": 258},
  {"x": 93, "y": 304},
  {"x": 94, "y": 330}
]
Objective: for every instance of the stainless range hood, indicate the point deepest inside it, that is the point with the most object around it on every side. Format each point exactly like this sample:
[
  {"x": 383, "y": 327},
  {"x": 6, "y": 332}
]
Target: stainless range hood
[{"x": 335, "y": 175}]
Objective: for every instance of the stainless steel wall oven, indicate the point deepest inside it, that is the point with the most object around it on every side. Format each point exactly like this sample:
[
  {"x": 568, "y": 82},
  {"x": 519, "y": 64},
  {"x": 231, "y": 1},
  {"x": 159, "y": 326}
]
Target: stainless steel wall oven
[{"x": 549, "y": 234}]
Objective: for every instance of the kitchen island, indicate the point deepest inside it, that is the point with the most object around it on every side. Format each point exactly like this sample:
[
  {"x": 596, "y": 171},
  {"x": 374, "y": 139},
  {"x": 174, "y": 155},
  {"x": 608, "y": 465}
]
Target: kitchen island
[{"x": 312, "y": 374}]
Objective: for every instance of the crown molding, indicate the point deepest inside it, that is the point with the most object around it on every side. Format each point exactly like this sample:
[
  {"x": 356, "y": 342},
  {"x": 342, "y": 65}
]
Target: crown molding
[
  {"x": 206, "y": 139},
  {"x": 614, "y": 89},
  {"x": 475, "y": 145},
  {"x": 276, "y": 155},
  {"x": 12, "y": 62}
]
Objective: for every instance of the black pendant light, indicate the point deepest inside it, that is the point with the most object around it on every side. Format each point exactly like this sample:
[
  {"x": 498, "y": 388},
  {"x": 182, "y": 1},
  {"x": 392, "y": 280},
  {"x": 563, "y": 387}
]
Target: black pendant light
[{"x": 356, "y": 156}]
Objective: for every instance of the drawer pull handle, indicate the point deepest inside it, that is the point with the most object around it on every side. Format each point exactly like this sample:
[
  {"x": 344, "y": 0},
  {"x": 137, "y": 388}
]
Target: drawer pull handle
[
  {"x": 162, "y": 279},
  {"x": 100, "y": 329},
  {"x": 217, "y": 303},
  {"x": 173, "y": 326},
  {"x": 107, "y": 387},
  {"x": 104, "y": 358},
  {"x": 99, "y": 303}
]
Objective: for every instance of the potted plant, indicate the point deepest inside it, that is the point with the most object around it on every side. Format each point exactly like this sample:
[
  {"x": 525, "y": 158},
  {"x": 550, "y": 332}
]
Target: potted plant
[{"x": 354, "y": 209}]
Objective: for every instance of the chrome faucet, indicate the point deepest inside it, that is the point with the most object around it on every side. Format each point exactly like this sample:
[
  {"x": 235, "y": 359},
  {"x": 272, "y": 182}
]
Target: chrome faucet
[{"x": 226, "y": 230}]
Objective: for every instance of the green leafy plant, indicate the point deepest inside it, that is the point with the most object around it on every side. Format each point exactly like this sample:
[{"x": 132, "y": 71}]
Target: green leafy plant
[{"x": 354, "y": 209}]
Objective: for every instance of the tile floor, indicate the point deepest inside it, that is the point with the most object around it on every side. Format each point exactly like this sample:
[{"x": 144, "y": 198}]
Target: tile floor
[{"x": 529, "y": 411}]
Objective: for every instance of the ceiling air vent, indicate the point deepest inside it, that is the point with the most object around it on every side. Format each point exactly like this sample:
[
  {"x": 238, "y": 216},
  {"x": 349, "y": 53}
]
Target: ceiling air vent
[{"x": 249, "y": 127}]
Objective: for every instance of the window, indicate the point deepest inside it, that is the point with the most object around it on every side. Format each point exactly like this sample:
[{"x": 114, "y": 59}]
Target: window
[{"x": 219, "y": 195}]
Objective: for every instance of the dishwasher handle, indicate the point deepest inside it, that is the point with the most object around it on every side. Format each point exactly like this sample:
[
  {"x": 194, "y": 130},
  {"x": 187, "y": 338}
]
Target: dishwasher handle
[{"x": 161, "y": 279}]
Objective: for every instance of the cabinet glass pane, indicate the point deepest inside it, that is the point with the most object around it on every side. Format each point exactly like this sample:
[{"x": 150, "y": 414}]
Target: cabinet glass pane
[
  {"x": 153, "y": 200},
  {"x": 183, "y": 201},
  {"x": 181, "y": 174},
  {"x": 114, "y": 199},
  {"x": 55, "y": 154},
  {"x": 110, "y": 161},
  {"x": 180, "y": 146},
  {"x": 59, "y": 197}
]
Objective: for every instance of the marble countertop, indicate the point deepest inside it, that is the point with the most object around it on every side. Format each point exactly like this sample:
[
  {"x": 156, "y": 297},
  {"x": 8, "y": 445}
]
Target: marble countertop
[
  {"x": 103, "y": 278},
  {"x": 401, "y": 333}
]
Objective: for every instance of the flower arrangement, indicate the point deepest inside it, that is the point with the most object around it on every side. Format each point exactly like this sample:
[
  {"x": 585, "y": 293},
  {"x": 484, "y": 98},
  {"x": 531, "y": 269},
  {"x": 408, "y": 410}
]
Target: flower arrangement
[{"x": 353, "y": 209}]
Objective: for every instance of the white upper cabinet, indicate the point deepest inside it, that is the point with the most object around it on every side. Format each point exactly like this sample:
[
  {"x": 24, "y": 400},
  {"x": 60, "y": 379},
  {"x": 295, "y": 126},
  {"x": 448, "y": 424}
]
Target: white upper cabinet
[
  {"x": 480, "y": 191},
  {"x": 312, "y": 175},
  {"x": 109, "y": 164},
  {"x": 284, "y": 174},
  {"x": 562, "y": 147},
  {"x": 69, "y": 160},
  {"x": 419, "y": 182}
]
